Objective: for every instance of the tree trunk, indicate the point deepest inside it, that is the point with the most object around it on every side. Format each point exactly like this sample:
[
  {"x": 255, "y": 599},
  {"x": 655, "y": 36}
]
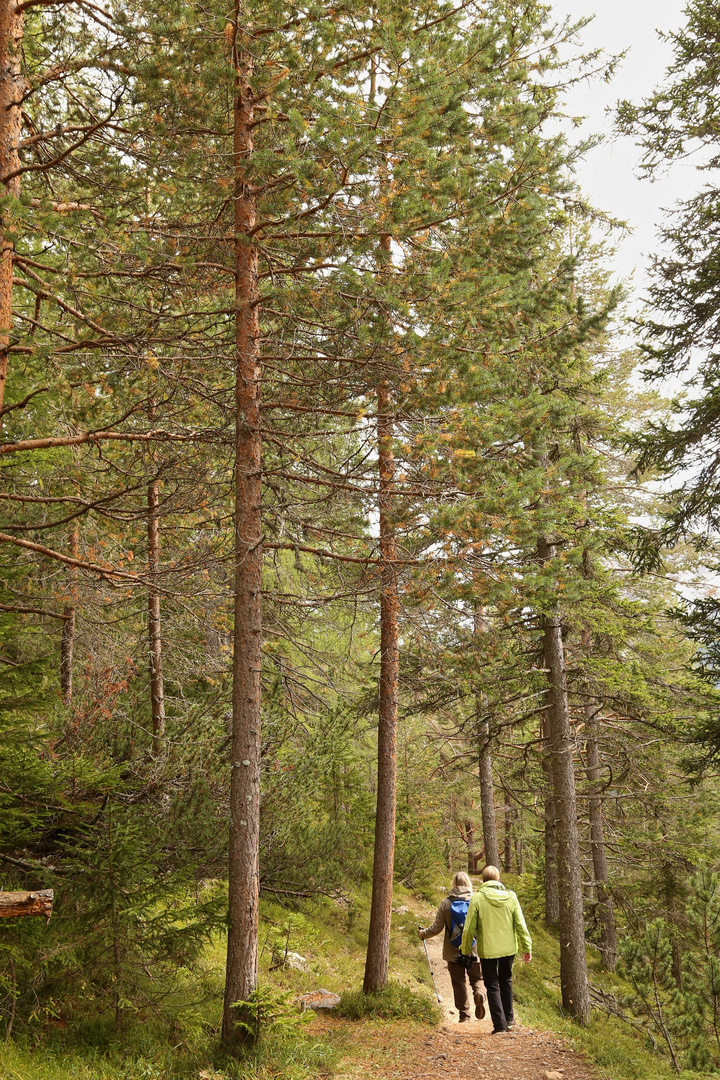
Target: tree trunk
[
  {"x": 157, "y": 692},
  {"x": 470, "y": 841},
  {"x": 507, "y": 847},
  {"x": 608, "y": 932},
  {"x": 487, "y": 801},
  {"x": 244, "y": 871},
  {"x": 67, "y": 641},
  {"x": 14, "y": 904},
  {"x": 519, "y": 845},
  {"x": 552, "y": 902},
  {"x": 487, "y": 788},
  {"x": 12, "y": 88},
  {"x": 378, "y": 953},
  {"x": 573, "y": 966}
]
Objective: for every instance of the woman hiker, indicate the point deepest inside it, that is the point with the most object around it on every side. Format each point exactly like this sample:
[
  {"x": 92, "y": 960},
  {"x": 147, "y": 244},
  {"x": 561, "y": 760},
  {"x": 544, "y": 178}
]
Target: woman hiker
[
  {"x": 450, "y": 917},
  {"x": 495, "y": 922}
]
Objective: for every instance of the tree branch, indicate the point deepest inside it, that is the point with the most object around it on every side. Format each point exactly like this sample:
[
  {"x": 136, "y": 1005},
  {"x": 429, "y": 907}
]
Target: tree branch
[{"x": 32, "y": 611}]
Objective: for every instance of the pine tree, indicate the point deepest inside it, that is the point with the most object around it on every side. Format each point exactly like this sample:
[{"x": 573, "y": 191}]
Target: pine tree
[{"x": 679, "y": 330}]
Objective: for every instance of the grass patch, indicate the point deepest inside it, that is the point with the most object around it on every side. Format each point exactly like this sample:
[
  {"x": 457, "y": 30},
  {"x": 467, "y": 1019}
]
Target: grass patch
[
  {"x": 296, "y": 1055},
  {"x": 395, "y": 1002},
  {"x": 331, "y": 937}
]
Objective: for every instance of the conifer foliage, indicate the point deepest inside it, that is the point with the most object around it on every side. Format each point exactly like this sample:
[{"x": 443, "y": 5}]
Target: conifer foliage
[{"x": 315, "y": 561}]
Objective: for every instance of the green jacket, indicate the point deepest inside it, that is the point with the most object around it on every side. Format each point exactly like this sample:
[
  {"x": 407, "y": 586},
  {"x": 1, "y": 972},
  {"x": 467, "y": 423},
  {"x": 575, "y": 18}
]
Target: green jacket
[{"x": 496, "y": 920}]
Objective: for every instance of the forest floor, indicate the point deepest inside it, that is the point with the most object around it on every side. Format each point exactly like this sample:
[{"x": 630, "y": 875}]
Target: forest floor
[
  {"x": 405, "y": 1044},
  {"x": 455, "y": 1051}
]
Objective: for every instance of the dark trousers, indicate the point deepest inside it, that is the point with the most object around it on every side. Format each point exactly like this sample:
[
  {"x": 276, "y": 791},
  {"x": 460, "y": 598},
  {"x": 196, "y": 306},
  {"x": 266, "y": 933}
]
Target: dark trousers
[
  {"x": 497, "y": 975},
  {"x": 460, "y": 987}
]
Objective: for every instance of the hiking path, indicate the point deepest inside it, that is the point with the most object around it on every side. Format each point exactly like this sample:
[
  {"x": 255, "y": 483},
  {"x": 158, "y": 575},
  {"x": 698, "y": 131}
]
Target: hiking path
[{"x": 457, "y": 1051}]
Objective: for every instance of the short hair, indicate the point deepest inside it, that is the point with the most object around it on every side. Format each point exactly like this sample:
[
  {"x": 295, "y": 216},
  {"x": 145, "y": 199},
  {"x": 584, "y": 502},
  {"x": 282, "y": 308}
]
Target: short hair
[
  {"x": 491, "y": 873},
  {"x": 461, "y": 880}
]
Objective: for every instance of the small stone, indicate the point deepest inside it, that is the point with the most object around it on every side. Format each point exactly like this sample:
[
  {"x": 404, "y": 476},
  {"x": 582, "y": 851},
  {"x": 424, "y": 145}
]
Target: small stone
[
  {"x": 297, "y": 962},
  {"x": 554, "y": 1075},
  {"x": 401, "y": 910},
  {"x": 319, "y": 999}
]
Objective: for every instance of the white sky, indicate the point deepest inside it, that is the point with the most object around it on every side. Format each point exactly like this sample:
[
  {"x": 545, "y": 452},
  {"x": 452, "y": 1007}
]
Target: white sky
[{"x": 608, "y": 176}]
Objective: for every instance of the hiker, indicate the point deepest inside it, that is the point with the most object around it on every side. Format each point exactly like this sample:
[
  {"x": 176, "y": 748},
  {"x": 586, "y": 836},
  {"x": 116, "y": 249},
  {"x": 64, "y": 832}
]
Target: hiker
[
  {"x": 450, "y": 917},
  {"x": 495, "y": 920}
]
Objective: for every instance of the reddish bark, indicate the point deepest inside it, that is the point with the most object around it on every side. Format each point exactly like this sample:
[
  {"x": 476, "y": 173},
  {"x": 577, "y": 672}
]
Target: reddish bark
[
  {"x": 67, "y": 641},
  {"x": 157, "y": 692},
  {"x": 378, "y": 953},
  {"x": 12, "y": 88},
  {"x": 244, "y": 873}
]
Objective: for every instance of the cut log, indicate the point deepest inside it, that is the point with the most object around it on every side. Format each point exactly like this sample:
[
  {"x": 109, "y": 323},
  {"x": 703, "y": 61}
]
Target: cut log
[{"x": 26, "y": 903}]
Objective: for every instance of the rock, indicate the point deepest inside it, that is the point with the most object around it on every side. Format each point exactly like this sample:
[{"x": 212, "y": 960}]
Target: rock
[
  {"x": 297, "y": 962},
  {"x": 554, "y": 1075},
  {"x": 319, "y": 999},
  {"x": 401, "y": 910}
]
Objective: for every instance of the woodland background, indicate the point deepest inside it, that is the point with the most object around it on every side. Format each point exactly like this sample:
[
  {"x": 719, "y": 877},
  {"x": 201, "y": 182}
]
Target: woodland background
[{"x": 319, "y": 407}]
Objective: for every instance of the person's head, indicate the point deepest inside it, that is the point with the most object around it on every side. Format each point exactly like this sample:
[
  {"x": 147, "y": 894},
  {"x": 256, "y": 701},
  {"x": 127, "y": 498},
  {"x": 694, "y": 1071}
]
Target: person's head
[
  {"x": 491, "y": 873},
  {"x": 461, "y": 881}
]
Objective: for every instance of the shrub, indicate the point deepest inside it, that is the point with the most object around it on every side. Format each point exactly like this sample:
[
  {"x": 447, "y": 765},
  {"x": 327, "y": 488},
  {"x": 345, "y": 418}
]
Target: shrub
[{"x": 395, "y": 1002}]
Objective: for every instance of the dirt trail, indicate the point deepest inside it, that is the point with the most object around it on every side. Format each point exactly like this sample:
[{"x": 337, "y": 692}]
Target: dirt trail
[
  {"x": 460, "y": 1051},
  {"x": 466, "y": 1051}
]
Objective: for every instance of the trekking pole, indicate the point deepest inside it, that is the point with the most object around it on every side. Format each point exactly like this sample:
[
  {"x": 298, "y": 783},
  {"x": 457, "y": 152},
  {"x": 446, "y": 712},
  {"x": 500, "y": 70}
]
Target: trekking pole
[{"x": 431, "y": 971}]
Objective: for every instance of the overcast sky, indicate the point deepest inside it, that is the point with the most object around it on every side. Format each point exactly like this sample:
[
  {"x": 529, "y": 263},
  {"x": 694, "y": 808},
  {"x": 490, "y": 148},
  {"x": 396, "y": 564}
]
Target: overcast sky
[{"x": 609, "y": 174}]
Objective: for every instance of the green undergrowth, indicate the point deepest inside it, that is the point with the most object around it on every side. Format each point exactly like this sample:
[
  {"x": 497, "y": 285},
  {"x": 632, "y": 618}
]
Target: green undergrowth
[
  {"x": 395, "y": 1002},
  {"x": 330, "y": 938},
  {"x": 327, "y": 944},
  {"x": 617, "y": 1050}
]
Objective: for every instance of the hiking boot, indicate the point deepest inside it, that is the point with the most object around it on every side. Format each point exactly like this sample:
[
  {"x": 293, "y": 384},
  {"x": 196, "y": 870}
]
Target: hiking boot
[
  {"x": 512, "y": 1024},
  {"x": 479, "y": 1005}
]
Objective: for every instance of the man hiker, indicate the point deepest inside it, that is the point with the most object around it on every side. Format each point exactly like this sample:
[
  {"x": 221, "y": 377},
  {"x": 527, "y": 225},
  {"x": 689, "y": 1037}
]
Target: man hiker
[
  {"x": 451, "y": 917},
  {"x": 495, "y": 920}
]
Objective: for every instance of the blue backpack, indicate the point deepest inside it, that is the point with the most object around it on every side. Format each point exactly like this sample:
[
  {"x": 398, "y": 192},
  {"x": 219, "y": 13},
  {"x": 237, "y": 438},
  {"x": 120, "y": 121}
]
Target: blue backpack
[{"x": 458, "y": 913}]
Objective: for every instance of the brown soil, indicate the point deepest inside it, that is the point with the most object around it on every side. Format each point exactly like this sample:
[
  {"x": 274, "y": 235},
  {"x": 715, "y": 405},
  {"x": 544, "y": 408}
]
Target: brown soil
[{"x": 393, "y": 1051}]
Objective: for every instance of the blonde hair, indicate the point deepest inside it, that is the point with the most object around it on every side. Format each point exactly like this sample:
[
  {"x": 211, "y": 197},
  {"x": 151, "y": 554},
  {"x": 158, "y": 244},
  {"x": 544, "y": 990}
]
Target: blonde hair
[
  {"x": 461, "y": 880},
  {"x": 491, "y": 873}
]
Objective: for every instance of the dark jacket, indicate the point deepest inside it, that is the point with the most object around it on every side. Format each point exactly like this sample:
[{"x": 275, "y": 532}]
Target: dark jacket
[{"x": 443, "y": 920}]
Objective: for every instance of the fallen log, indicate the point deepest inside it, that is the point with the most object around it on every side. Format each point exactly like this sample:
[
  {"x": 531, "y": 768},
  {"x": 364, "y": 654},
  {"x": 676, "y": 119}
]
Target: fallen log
[{"x": 39, "y": 902}]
